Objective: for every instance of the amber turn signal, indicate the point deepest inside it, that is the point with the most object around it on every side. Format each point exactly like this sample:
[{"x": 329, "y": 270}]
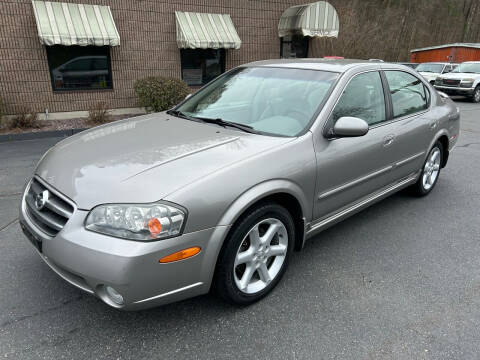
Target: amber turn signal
[
  {"x": 180, "y": 255},
  {"x": 155, "y": 227}
]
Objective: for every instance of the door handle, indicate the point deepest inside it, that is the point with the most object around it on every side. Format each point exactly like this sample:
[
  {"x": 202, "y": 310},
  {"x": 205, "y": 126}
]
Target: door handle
[
  {"x": 433, "y": 124},
  {"x": 388, "y": 140}
]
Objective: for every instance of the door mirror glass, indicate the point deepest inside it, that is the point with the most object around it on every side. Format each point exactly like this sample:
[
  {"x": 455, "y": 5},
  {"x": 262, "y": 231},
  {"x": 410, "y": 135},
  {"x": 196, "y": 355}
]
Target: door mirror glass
[{"x": 348, "y": 126}]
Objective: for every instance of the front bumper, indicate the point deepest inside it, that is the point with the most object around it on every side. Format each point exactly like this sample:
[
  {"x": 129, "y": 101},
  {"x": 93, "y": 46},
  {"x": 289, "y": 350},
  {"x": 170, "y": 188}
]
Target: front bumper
[
  {"x": 455, "y": 90},
  {"x": 90, "y": 261}
]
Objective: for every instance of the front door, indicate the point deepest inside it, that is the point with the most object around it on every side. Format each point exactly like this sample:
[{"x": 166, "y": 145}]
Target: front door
[{"x": 352, "y": 168}]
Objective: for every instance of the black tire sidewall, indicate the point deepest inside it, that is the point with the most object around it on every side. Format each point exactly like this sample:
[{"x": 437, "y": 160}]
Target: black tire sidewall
[
  {"x": 477, "y": 89},
  {"x": 224, "y": 282}
]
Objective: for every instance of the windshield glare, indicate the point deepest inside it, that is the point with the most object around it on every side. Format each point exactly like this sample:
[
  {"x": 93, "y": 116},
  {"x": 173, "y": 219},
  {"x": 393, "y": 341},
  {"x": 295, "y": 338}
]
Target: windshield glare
[
  {"x": 277, "y": 101},
  {"x": 468, "y": 68},
  {"x": 434, "y": 68}
]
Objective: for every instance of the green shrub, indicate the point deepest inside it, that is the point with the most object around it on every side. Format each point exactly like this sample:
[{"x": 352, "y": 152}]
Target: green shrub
[
  {"x": 160, "y": 93},
  {"x": 25, "y": 118},
  {"x": 98, "y": 113}
]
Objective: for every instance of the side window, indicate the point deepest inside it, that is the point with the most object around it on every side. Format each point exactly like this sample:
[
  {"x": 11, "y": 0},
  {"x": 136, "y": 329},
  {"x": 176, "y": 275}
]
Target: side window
[
  {"x": 363, "y": 98},
  {"x": 409, "y": 95}
]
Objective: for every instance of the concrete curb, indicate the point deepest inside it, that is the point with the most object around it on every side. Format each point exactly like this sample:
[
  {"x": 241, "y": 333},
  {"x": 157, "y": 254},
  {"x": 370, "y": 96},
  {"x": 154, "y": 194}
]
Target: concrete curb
[{"x": 38, "y": 135}]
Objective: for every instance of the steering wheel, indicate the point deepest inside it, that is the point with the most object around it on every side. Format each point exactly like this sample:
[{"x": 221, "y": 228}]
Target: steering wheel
[{"x": 300, "y": 115}]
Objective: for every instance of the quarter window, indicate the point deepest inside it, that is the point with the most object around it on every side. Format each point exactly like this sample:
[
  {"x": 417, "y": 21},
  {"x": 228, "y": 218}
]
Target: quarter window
[
  {"x": 409, "y": 95},
  {"x": 79, "y": 67},
  {"x": 363, "y": 98},
  {"x": 200, "y": 66}
]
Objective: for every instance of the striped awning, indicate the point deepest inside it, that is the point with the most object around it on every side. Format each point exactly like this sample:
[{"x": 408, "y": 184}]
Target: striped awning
[
  {"x": 318, "y": 19},
  {"x": 75, "y": 24},
  {"x": 206, "y": 31}
]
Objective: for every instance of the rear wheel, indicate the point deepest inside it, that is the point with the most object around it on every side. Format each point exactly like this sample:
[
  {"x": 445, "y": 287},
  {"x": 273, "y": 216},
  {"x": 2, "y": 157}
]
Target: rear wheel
[
  {"x": 255, "y": 255},
  {"x": 430, "y": 171}
]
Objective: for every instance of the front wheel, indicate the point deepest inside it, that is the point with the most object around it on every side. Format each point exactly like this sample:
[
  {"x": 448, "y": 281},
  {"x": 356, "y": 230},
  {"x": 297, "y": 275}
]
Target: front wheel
[
  {"x": 430, "y": 171},
  {"x": 476, "y": 95},
  {"x": 255, "y": 255}
]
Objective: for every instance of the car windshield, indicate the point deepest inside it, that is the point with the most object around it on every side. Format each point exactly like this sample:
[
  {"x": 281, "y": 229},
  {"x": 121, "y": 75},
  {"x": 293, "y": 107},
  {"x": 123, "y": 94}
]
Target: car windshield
[
  {"x": 473, "y": 68},
  {"x": 433, "y": 68},
  {"x": 277, "y": 101}
]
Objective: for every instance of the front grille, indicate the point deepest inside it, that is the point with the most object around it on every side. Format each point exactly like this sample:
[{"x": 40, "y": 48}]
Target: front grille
[
  {"x": 451, "y": 82},
  {"x": 46, "y": 209}
]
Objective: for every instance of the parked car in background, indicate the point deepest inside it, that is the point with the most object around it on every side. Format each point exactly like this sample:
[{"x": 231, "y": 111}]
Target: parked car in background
[
  {"x": 431, "y": 70},
  {"x": 219, "y": 191},
  {"x": 410, "y": 65},
  {"x": 464, "y": 81}
]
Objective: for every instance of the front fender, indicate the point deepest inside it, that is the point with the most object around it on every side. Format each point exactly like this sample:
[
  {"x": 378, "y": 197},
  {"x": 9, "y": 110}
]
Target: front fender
[{"x": 260, "y": 191}]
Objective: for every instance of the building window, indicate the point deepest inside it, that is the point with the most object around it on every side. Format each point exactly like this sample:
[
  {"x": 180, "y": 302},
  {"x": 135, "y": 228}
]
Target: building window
[
  {"x": 200, "y": 66},
  {"x": 80, "y": 67},
  {"x": 294, "y": 46}
]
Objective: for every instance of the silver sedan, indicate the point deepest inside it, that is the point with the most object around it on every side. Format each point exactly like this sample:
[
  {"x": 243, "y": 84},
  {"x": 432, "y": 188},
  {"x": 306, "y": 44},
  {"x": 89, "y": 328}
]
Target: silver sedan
[{"x": 218, "y": 192}]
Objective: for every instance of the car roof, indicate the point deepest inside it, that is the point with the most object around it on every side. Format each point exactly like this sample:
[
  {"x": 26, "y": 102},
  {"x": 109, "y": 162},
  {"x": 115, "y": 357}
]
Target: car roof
[
  {"x": 471, "y": 62},
  {"x": 334, "y": 65},
  {"x": 436, "y": 62}
]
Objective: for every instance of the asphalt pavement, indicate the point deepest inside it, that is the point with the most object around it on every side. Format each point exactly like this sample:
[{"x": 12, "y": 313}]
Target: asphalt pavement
[{"x": 400, "y": 280}]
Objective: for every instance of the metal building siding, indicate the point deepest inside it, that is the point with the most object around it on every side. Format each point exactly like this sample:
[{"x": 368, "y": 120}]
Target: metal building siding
[
  {"x": 466, "y": 54},
  {"x": 451, "y": 54}
]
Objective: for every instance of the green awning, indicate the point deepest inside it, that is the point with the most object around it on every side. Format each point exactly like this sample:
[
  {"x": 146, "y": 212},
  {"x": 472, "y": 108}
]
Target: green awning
[
  {"x": 319, "y": 19},
  {"x": 75, "y": 24},
  {"x": 206, "y": 31}
]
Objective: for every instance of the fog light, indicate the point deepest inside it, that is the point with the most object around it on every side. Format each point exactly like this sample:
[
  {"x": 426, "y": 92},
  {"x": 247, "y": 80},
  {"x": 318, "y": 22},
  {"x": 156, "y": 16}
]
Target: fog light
[{"x": 113, "y": 295}]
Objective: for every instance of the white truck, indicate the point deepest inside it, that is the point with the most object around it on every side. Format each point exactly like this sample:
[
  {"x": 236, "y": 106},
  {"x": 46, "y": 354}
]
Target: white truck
[{"x": 464, "y": 81}]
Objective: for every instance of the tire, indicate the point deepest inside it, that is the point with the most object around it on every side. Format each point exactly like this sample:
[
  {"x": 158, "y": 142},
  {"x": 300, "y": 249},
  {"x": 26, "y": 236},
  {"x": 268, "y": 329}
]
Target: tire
[
  {"x": 430, "y": 171},
  {"x": 232, "y": 282},
  {"x": 476, "y": 95}
]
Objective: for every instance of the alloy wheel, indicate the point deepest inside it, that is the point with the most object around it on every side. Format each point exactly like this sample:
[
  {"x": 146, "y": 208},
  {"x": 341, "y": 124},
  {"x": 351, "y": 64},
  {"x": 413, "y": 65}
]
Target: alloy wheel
[
  {"x": 431, "y": 169},
  {"x": 260, "y": 256},
  {"x": 476, "y": 96}
]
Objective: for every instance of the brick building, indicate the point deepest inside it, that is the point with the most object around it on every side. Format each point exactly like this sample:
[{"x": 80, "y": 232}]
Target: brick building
[{"x": 42, "y": 64}]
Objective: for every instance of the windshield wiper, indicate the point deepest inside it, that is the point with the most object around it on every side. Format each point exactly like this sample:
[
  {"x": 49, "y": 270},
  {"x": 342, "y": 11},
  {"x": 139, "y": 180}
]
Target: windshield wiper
[
  {"x": 181, "y": 114},
  {"x": 224, "y": 123}
]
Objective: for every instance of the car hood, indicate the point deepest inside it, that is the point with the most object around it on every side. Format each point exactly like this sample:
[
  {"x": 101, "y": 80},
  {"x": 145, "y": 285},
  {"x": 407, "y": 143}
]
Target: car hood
[
  {"x": 429, "y": 76},
  {"x": 459, "y": 76},
  {"x": 144, "y": 159}
]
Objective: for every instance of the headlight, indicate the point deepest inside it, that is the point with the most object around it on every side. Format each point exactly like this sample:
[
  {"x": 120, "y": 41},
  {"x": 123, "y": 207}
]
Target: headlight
[
  {"x": 466, "y": 83},
  {"x": 136, "y": 221}
]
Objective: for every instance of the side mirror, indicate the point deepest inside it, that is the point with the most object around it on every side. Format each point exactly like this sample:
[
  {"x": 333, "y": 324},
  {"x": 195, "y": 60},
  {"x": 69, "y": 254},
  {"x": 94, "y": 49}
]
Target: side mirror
[{"x": 350, "y": 127}]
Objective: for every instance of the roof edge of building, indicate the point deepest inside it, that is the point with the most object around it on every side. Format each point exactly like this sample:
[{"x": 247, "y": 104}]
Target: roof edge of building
[{"x": 467, "y": 45}]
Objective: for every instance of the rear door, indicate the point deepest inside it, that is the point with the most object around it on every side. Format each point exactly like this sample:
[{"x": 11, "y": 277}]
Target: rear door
[{"x": 412, "y": 125}]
